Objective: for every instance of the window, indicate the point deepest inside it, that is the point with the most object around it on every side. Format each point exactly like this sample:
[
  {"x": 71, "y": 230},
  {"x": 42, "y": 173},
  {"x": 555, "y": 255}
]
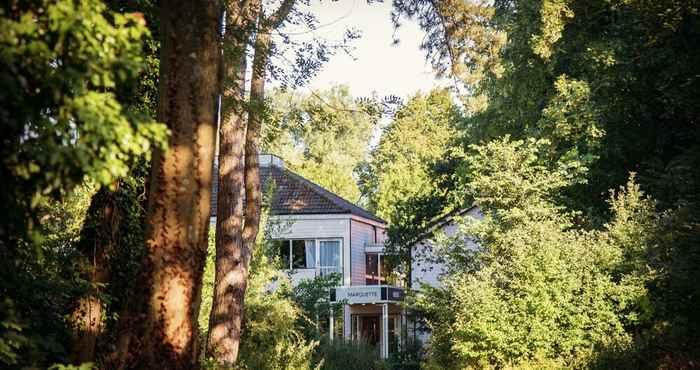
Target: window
[
  {"x": 323, "y": 255},
  {"x": 378, "y": 271},
  {"x": 329, "y": 260},
  {"x": 282, "y": 248},
  {"x": 303, "y": 254},
  {"x": 372, "y": 269}
]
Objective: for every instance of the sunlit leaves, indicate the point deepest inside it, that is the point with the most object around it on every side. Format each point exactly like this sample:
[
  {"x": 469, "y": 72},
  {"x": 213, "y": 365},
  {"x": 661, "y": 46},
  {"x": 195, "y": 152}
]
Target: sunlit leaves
[
  {"x": 64, "y": 65},
  {"x": 535, "y": 288}
]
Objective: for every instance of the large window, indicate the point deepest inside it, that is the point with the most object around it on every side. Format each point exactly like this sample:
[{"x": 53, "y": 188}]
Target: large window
[{"x": 324, "y": 255}]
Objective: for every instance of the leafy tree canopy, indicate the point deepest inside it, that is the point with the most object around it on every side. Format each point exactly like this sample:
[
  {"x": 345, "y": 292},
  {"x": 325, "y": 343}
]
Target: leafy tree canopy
[
  {"x": 66, "y": 66},
  {"x": 323, "y": 136}
]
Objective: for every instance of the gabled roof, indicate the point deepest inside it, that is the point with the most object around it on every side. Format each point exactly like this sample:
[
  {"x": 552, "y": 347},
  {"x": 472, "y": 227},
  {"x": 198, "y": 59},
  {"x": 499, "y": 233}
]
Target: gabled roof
[{"x": 296, "y": 195}]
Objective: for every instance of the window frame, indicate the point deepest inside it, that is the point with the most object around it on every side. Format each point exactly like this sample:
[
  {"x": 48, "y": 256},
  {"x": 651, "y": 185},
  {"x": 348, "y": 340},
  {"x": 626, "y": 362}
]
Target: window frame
[
  {"x": 380, "y": 279},
  {"x": 317, "y": 254}
]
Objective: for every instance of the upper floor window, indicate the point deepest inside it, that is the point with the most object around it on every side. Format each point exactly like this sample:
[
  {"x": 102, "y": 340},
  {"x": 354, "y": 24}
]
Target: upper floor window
[
  {"x": 324, "y": 255},
  {"x": 377, "y": 270}
]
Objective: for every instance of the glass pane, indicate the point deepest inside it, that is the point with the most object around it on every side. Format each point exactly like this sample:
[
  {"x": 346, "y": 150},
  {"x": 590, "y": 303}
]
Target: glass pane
[
  {"x": 282, "y": 248},
  {"x": 299, "y": 260},
  {"x": 371, "y": 269},
  {"x": 310, "y": 251},
  {"x": 386, "y": 277},
  {"x": 329, "y": 256}
]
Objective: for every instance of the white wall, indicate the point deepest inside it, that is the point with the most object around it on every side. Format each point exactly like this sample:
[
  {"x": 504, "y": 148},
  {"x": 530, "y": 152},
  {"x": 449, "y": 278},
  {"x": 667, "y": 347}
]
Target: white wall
[
  {"x": 424, "y": 268},
  {"x": 314, "y": 227},
  {"x": 360, "y": 234},
  {"x": 362, "y": 231}
]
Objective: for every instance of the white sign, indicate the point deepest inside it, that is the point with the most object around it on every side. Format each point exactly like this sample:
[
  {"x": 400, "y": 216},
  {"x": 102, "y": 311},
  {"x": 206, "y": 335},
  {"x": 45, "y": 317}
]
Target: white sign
[{"x": 360, "y": 294}]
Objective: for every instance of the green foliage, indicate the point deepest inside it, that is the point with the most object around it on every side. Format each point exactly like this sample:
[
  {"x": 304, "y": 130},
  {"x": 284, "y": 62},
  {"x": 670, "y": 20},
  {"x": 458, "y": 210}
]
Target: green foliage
[
  {"x": 417, "y": 137},
  {"x": 537, "y": 289},
  {"x": 588, "y": 91},
  {"x": 35, "y": 326},
  {"x": 271, "y": 338},
  {"x": 508, "y": 176},
  {"x": 64, "y": 64},
  {"x": 312, "y": 297},
  {"x": 350, "y": 355},
  {"x": 407, "y": 177},
  {"x": 72, "y": 126},
  {"x": 322, "y": 136},
  {"x": 85, "y": 366}
]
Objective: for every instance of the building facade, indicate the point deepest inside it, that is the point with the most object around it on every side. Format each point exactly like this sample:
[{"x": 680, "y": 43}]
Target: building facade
[{"x": 318, "y": 232}]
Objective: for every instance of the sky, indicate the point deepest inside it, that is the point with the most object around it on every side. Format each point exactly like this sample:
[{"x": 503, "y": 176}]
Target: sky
[{"x": 378, "y": 65}]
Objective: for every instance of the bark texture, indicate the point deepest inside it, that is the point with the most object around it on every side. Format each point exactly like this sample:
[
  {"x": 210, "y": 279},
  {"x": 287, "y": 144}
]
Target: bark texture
[
  {"x": 230, "y": 208},
  {"x": 99, "y": 238},
  {"x": 179, "y": 193},
  {"x": 239, "y": 177}
]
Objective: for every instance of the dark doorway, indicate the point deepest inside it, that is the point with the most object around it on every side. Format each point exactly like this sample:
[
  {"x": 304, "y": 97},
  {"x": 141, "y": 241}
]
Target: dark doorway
[{"x": 369, "y": 329}]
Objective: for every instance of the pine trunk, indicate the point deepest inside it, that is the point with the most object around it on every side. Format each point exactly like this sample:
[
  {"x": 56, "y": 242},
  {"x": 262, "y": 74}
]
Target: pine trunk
[{"x": 229, "y": 242}]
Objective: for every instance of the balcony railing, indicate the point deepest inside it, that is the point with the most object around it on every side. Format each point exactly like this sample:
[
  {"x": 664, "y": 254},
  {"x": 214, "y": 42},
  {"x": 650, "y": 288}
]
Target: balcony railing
[{"x": 374, "y": 247}]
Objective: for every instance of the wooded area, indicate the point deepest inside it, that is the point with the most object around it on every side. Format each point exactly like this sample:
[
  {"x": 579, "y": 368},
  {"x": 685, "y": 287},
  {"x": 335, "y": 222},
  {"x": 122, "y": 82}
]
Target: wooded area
[{"x": 571, "y": 124}]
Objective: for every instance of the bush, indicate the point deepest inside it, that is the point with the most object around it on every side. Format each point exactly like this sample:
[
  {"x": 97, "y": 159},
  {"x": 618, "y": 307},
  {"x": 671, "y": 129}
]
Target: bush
[{"x": 347, "y": 355}]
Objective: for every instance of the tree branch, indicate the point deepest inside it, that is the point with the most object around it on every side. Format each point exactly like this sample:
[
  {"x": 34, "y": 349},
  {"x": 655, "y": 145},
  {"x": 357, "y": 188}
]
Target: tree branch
[{"x": 276, "y": 19}]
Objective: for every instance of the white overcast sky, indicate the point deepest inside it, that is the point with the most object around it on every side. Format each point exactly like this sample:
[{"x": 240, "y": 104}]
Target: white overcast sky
[{"x": 379, "y": 66}]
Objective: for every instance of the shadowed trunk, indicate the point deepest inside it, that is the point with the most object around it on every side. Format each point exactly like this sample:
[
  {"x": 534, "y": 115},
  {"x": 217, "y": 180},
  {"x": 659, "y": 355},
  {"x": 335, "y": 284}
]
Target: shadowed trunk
[
  {"x": 86, "y": 318},
  {"x": 179, "y": 193},
  {"x": 97, "y": 240}
]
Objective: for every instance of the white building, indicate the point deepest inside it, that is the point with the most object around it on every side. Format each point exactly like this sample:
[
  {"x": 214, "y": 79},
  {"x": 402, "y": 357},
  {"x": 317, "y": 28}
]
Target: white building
[{"x": 317, "y": 232}]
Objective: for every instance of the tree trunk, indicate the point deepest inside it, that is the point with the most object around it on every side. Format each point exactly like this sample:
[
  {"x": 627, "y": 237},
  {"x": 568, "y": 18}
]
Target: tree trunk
[
  {"x": 99, "y": 237},
  {"x": 179, "y": 190},
  {"x": 237, "y": 228},
  {"x": 87, "y": 315},
  {"x": 229, "y": 241}
]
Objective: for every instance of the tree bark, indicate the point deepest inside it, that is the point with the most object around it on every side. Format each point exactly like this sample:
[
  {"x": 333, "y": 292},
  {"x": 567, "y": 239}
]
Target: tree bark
[
  {"x": 87, "y": 314},
  {"x": 229, "y": 242},
  {"x": 179, "y": 191},
  {"x": 96, "y": 242},
  {"x": 237, "y": 227}
]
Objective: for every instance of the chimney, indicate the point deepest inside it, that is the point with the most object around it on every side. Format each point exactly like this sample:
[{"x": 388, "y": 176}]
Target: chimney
[{"x": 268, "y": 160}]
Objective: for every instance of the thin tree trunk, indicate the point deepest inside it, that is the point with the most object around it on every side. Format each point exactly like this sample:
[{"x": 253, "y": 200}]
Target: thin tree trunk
[
  {"x": 180, "y": 190},
  {"x": 237, "y": 228},
  {"x": 229, "y": 242}
]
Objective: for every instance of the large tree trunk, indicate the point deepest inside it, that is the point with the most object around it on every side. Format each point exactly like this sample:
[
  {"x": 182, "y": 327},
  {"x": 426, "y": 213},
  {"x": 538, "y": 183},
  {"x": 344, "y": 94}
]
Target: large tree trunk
[
  {"x": 97, "y": 239},
  {"x": 180, "y": 191}
]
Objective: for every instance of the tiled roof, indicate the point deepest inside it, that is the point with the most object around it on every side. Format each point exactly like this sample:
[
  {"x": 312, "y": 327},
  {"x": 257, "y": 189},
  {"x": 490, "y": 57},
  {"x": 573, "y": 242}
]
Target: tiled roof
[{"x": 295, "y": 195}]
